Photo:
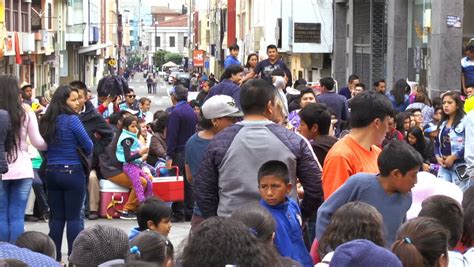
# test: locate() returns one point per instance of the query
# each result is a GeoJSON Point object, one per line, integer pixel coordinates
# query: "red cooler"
{"type": "Point", "coordinates": [112, 199]}
{"type": "Point", "coordinates": [169, 188]}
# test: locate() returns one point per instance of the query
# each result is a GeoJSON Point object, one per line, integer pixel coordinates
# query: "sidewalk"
{"type": "Point", "coordinates": [179, 231]}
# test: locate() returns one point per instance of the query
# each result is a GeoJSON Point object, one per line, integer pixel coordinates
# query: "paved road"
{"type": "Point", "coordinates": [179, 231]}
{"type": "Point", "coordinates": [160, 100]}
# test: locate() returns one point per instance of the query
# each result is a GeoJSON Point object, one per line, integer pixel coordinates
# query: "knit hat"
{"type": "Point", "coordinates": [362, 253]}
{"type": "Point", "coordinates": [99, 244]}
{"type": "Point", "coordinates": [220, 106]}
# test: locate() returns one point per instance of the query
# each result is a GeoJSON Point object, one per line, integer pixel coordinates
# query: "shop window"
{"type": "Point", "coordinates": [50, 16]}
{"type": "Point", "coordinates": [24, 17]}
{"type": "Point", "coordinates": [172, 41]}
{"type": "Point", "coordinates": [8, 15]}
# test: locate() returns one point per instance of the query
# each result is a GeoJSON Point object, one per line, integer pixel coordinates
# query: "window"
{"type": "Point", "coordinates": [16, 26]}
{"type": "Point", "coordinates": [24, 17]}
{"type": "Point", "coordinates": [8, 15]}
{"type": "Point", "coordinates": [185, 41]}
{"type": "Point", "coordinates": [50, 16]}
{"type": "Point", "coordinates": [157, 41]}
{"type": "Point", "coordinates": [172, 41]}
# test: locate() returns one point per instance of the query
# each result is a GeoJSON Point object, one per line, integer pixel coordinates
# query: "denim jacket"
{"type": "Point", "coordinates": [456, 137]}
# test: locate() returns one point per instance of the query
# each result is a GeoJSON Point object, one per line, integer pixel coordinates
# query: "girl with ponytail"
{"type": "Point", "coordinates": [422, 241]}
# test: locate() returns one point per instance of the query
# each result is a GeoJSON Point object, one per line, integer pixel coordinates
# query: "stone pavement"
{"type": "Point", "coordinates": [179, 231]}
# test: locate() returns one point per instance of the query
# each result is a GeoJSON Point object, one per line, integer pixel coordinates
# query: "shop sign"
{"type": "Point", "coordinates": [198, 58]}
{"type": "Point", "coordinates": [307, 33]}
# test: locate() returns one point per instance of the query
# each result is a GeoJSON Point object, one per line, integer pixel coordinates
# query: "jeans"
{"type": "Point", "coordinates": [40, 194]}
{"type": "Point", "coordinates": [451, 176]}
{"type": "Point", "coordinates": [66, 192]}
{"type": "Point", "coordinates": [181, 209]}
{"type": "Point", "coordinates": [13, 197]}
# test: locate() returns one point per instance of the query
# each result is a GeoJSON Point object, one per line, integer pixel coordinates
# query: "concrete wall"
{"type": "Point", "coordinates": [397, 53]}
{"type": "Point", "coordinates": [446, 47]}
{"type": "Point", "coordinates": [340, 51]}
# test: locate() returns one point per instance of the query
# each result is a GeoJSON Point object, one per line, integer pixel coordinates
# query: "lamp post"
{"type": "Point", "coordinates": [156, 44]}
{"type": "Point", "coordinates": [156, 25]}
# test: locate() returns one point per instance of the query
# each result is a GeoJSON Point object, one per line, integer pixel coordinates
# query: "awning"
{"type": "Point", "coordinates": [92, 48]}
{"type": "Point", "coordinates": [170, 64]}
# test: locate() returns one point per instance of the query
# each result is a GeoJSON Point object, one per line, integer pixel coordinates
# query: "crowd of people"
{"type": "Point", "coordinates": [275, 172]}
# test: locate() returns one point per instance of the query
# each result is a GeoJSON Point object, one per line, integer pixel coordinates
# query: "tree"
{"type": "Point", "coordinates": [175, 57]}
{"type": "Point", "coordinates": [159, 58]}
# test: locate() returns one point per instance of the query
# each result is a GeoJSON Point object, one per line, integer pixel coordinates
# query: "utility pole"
{"type": "Point", "coordinates": [119, 37]}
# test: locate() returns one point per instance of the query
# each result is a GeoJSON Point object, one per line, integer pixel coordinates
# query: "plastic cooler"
{"type": "Point", "coordinates": [169, 188]}
{"type": "Point", "coordinates": [112, 199]}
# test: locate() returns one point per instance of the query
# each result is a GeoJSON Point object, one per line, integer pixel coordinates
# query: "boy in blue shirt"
{"type": "Point", "coordinates": [152, 215]}
{"type": "Point", "coordinates": [389, 192]}
{"type": "Point", "coordinates": [274, 184]}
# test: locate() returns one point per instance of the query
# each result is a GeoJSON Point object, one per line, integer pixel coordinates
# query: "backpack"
{"type": "Point", "coordinates": [113, 86]}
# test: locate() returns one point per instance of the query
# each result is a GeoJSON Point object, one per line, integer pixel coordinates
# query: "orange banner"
{"type": "Point", "coordinates": [198, 58]}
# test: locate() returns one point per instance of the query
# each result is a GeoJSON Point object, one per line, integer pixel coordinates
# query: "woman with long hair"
{"type": "Point", "coordinates": [66, 182]}
{"type": "Point", "coordinates": [423, 145]}
{"type": "Point", "coordinates": [399, 95]}
{"type": "Point", "coordinates": [252, 61]}
{"type": "Point", "coordinates": [16, 183]}
{"type": "Point", "coordinates": [353, 220]}
{"type": "Point", "coordinates": [422, 241]}
{"type": "Point", "coordinates": [449, 146]}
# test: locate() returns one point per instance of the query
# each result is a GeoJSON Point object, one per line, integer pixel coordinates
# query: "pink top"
{"type": "Point", "coordinates": [22, 167]}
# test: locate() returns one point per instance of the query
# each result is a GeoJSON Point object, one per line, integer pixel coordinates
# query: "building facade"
{"type": "Point", "coordinates": [418, 40]}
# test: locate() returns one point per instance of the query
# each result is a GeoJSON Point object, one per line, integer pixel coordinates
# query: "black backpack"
{"type": "Point", "coordinates": [113, 86]}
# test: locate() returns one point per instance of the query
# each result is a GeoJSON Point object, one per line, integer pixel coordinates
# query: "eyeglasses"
{"type": "Point", "coordinates": [131, 96]}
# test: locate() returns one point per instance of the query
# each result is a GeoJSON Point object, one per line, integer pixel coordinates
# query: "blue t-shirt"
{"type": "Point", "coordinates": [265, 69]}
{"type": "Point", "coordinates": [194, 152]}
{"type": "Point", "coordinates": [445, 142]}
{"type": "Point", "coordinates": [467, 67]}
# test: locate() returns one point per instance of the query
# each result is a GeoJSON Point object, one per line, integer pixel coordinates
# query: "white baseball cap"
{"type": "Point", "coordinates": [220, 106]}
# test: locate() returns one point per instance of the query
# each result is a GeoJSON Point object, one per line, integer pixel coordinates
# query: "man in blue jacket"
{"type": "Point", "coordinates": [229, 84]}
{"type": "Point", "coordinates": [232, 58]}
{"type": "Point", "coordinates": [226, 178]}
{"type": "Point", "coordinates": [181, 126]}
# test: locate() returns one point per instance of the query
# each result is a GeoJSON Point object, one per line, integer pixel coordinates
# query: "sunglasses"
{"type": "Point", "coordinates": [131, 96]}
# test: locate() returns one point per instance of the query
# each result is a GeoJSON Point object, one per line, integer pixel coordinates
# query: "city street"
{"type": "Point", "coordinates": [160, 100]}
{"type": "Point", "coordinates": [179, 231]}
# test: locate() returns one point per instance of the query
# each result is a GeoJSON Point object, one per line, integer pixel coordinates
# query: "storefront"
{"type": "Point", "coordinates": [418, 40]}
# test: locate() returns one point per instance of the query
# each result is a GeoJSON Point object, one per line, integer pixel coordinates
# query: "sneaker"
{"type": "Point", "coordinates": [31, 218]}
{"type": "Point", "coordinates": [128, 215]}
{"type": "Point", "coordinates": [93, 215]}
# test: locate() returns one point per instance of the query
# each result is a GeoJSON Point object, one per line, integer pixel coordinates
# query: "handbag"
{"type": "Point", "coordinates": [86, 161]}
{"type": "Point", "coordinates": [461, 171]}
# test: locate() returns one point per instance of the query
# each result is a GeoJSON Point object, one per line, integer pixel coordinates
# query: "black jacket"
{"type": "Point", "coordinates": [5, 138]}
{"type": "Point", "coordinates": [98, 130]}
